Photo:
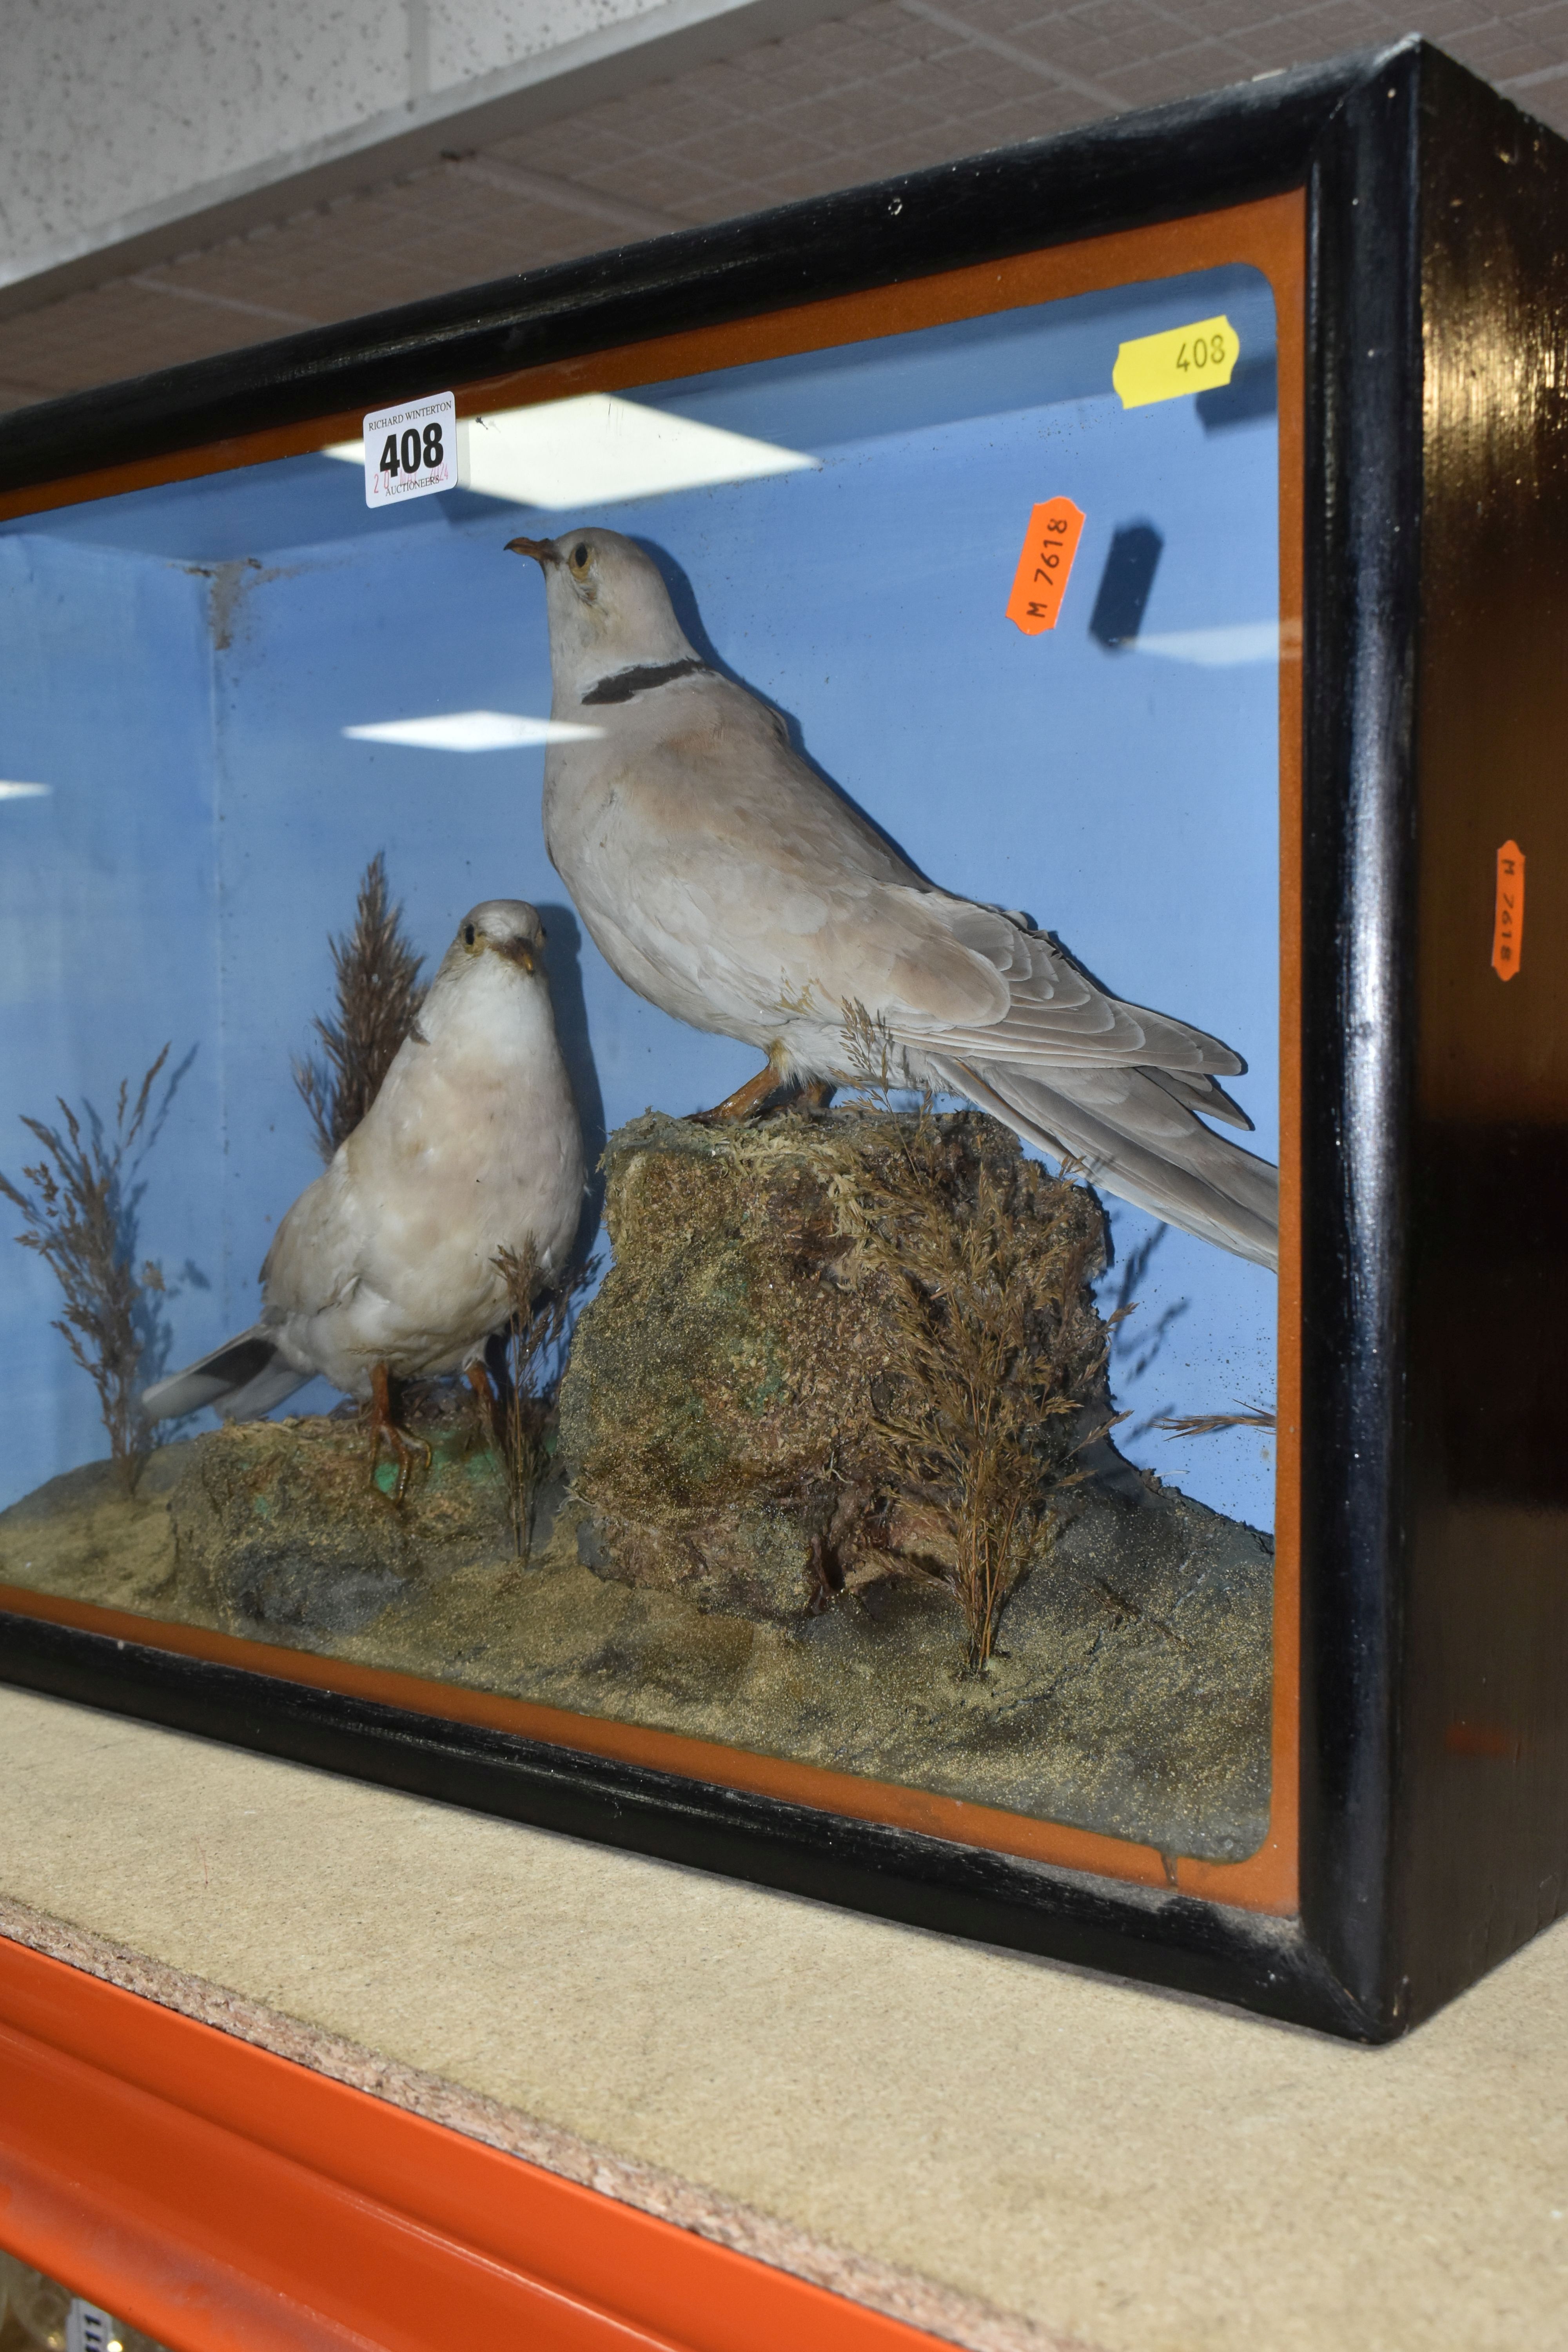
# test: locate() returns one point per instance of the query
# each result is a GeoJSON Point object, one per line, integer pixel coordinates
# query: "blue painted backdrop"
{"type": "Point", "coordinates": [179, 665]}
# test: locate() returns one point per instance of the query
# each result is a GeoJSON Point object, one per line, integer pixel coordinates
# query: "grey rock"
{"type": "Point", "coordinates": [276, 1587]}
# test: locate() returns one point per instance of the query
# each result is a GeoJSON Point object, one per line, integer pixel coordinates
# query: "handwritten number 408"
{"type": "Point", "coordinates": [406, 455]}
{"type": "Point", "coordinates": [1207, 350]}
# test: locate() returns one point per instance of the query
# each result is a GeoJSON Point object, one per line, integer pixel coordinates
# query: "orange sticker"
{"type": "Point", "coordinates": [1507, 929]}
{"type": "Point", "coordinates": [1045, 567]}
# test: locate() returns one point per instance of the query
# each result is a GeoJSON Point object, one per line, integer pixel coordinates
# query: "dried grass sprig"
{"type": "Point", "coordinates": [78, 1221]}
{"type": "Point", "coordinates": [541, 1313]}
{"type": "Point", "coordinates": [876, 1063]}
{"type": "Point", "coordinates": [1205, 1425]}
{"type": "Point", "coordinates": [379, 997]}
{"type": "Point", "coordinates": [999, 1346]}
{"type": "Point", "coordinates": [999, 1351]}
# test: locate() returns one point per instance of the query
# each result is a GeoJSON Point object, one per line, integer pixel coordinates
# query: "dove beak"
{"type": "Point", "coordinates": [543, 551]}
{"type": "Point", "coordinates": [518, 951]}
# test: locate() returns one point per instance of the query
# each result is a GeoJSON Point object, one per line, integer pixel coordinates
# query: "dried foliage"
{"type": "Point", "coordinates": [379, 997]}
{"type": "Point", "coordinates": [78, 1222]}
{"type": "Point", "coordinates": [540, 1315]}
{"type": "Point", "coordinates": [1000, 1347]}
{"type": "Point", "coordinates": [834, 1349]}
{"type": "Point", "coordinates": [999, 1350]}
{"type": "Point", "coordinates": [1205, 1425]}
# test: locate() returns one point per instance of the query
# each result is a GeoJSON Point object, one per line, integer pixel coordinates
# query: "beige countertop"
{"type": "Point", "coordinates": [1007, 2151]}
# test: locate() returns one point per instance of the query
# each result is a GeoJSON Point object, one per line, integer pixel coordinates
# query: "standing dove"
{"type": "Point", "coordinates": [723, 880]}
{"type": "Point", "coordinates": [386, 1266]}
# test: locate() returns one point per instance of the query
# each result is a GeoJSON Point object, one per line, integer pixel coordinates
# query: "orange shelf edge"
{"type": "Point", "coordinates": [225, 2199]}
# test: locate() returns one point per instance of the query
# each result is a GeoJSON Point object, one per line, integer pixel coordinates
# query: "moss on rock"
{"type": "Point", "coordinates": [280, 1524]}
{"type": "Point", "coordinates": [736, 1391]}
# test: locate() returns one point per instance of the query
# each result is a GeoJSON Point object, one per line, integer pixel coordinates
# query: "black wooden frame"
{"type": "Point", "coordinates": [1368, 138]}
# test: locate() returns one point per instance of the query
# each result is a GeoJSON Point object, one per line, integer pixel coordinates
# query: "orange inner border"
{"type": "Point", "coordinates": [1271, 235]}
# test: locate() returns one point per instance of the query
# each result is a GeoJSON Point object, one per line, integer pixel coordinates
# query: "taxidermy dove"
{"type": "Point", "coordinates": [385, 1267]}
{"type": "Point", "coordinates": [727, 882]}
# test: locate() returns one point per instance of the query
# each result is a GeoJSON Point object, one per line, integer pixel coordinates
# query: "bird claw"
{"type": "Point", "coordinates": [767, 1091]}
{"type": "Point", "coordinates": [404, 1445]}
{"type": "Point", "coordinates": [745, 1100]}
{"type": "Point", "coordinates": [385, 1425]}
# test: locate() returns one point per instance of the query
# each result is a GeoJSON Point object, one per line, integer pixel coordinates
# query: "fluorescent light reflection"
{"type": "Point", "coordinates": [24, 791]}
{"type": "Point", "coordinates": [594, 450]}
{"type": "Point", "coordinates": [1226, 648]}
{"type": "Point", "coordinates": [472, 730]}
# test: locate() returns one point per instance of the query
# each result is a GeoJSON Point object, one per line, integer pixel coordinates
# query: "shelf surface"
{"type": "Point", "coordinates": [995, 2151]}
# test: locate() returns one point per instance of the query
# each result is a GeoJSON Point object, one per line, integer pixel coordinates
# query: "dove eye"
{"type": "Point", "coordinates": [469, 933]}
{"type": "Point", "coordinates": [580, 555]}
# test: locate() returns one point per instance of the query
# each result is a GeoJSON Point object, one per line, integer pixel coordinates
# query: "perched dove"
{"type": "Point", "coordinates": [727, 882]}
{"type": "Point", "coordinates": [386, 1266]}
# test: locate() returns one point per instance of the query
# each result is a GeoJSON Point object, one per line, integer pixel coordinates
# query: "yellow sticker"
{"type": "Point", "coordinates": [1166, 367]}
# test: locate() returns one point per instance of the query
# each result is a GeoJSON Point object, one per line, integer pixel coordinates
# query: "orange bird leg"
{"type": "Point", "coordinates": [384, 1424]}
{"type": "Point", "coordinates": [744, 1101]}
{"type": "Point", "coordinates": [479, 1379]}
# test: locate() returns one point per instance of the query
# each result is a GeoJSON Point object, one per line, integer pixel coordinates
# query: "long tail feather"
{"type": "Point", "coordinates": [1135, 1138]}
{"type": "Point", "coordinates": [244, 1377]}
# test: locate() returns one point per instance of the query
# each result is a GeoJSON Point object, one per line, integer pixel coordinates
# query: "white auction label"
{"type": "Point", "coordinates": [412, 451]}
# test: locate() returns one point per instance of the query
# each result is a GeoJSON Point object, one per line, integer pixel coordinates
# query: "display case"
{"type": "Point", "coordinates": [838, 904]}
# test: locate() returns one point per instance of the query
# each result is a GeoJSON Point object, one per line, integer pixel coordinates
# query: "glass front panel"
{"type": "Point", "coordinates": [914, 739]}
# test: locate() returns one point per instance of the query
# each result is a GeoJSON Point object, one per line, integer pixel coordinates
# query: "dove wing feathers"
{"type": "Point", "coordinates": [1127, 1128]}
{"type": "Point", "coordinates": [314, 1261]}
{"type": "Point", "coordinates": [707, 855]}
